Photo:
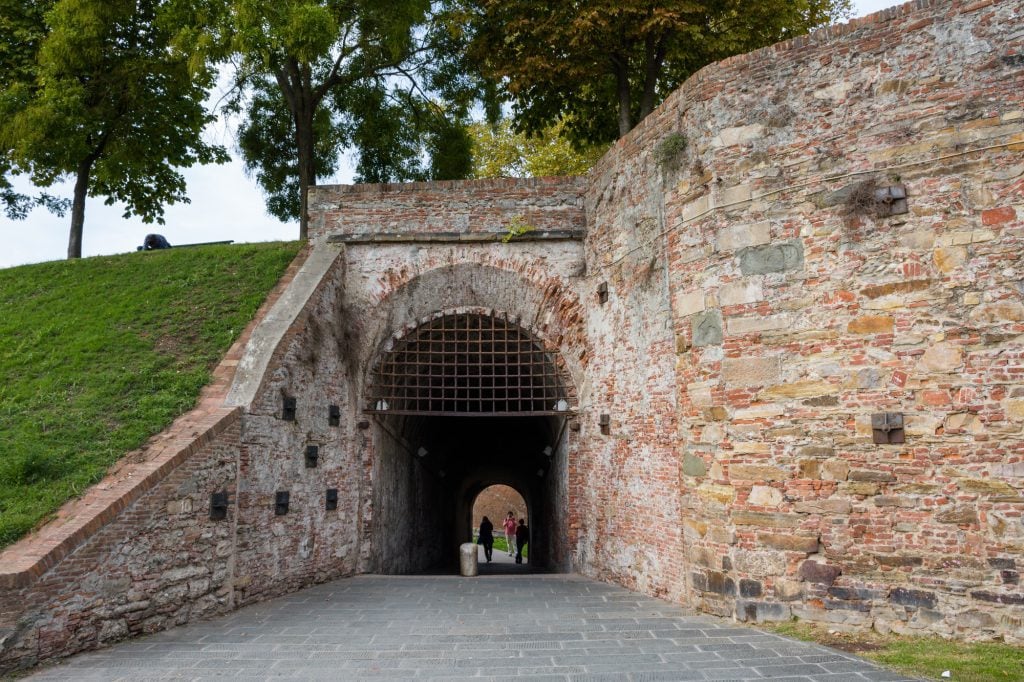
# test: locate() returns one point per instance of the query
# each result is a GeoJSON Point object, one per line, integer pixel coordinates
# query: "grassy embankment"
{"type": "Point", "coordinates": [98, 355]}
{"type": "Point", "coordinates": [926, 657]}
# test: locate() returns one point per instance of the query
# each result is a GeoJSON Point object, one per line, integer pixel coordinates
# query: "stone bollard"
{"type": "Point", "coordinates": [467, 559]}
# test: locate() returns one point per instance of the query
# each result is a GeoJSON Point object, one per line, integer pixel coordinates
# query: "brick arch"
{"type": "Point", "coordinates": [544, 304]}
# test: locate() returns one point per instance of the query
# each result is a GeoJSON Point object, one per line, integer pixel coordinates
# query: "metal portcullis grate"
{"type": "Point", "coordinates": [469, 365]}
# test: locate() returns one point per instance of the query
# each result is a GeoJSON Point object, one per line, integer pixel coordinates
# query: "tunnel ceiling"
{"type": "Point", "coordinates": [469, 365]}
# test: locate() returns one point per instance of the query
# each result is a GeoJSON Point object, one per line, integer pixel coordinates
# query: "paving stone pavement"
{"type": "Point", "coordinates": [536, 627]}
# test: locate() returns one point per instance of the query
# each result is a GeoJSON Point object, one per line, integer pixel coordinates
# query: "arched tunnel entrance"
{"type": "Point", "coordinates": [464, 401]}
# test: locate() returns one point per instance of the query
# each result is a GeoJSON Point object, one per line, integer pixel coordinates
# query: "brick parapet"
{"type": "Point", "coordinates": [478, 206]}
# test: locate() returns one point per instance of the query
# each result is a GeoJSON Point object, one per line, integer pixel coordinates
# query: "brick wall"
{"type": "Point", "coordinates": [796, 313]}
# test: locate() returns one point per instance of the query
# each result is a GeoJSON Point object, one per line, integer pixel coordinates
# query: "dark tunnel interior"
{"type": "Point", "coordinates": [431, 469]}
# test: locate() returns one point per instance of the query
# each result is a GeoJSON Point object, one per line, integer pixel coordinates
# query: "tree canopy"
{"type": "Point", "coordinates": [605, 64]}
{"type": "Point", "coordinates": [501, 152]}
{"type": "Point", "coordinates": [318, 76]}
{"type": "Point", "coordinates": [100, 96]}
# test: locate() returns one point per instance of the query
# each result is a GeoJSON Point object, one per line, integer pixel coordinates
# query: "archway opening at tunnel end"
{"type": "Point", "coordinates": [497, 504]}
{"type": "Point", "coordinates": [461, 402]}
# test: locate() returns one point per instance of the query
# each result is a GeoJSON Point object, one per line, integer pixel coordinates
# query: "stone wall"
{"type": "Point", "coordinates": [799, 310]}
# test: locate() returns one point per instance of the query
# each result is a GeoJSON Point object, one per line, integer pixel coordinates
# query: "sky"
{"type": "Point", "coordinates": [225, 204]}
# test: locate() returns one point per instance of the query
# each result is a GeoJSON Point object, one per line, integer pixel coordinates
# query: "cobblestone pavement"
{"type": "Point", "coordinates": [537, 627]}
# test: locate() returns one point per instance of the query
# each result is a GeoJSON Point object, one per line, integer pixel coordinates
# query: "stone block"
{"type": "Point", "coordinates": [716, 493]}
{"type": "Point", "coordinates": [1002, 563]}
{"type": "Point", "coordinates": [777, 257]}
{"type": "Point", "coordinates": [765, 519]}
{"type": "Point", "coordinates": [942, 358]}
{"type": "Point", "coordinates": [998, 597]}
{"type": "Point", "coordinates": [741, 292]}
{"type": "Point", "coordinates": [756, 472]}
{"type": "Point", "coordinates": [809, 468]}
{"type": "Point", "coordinates": [871, 324]}
{"type": "Point", "coordinates": [995, 313]}
{"type": "Point", "coordinates": [741, 236]}
{"type": "Point", "coordinates": [789, 590]}
{"type": "Point", "coordinates": [764, 496]}
{"type": "Point", "coordinates": [789, 543]}
{"type": "Point", "coordinates": [693, 528]}
{"type": "Point", "coordinates": [914, 598]}
{"type": "Point", "coordinates": [975, 619]}
{"type": "Point", "coordinates": [686, 303]}
{"type": "Point", "coordinates": [986, 487]}
{"type": "Point", "coordinates": [760, 612]}
{"type": "Point", "coordinates": [751, 371]}
{"type": "Point", "coordinates": [707, 328]}
{"type": "Point", "coordinates": [860, 489]}
{"type": "Point", "coordinates": [898, 560]}
{"type": "Point", "coordinates": [828, 506]}
{"type": "Point", "coordinates": [819, 572]}
{"type": "Point", "coordinates": [1014, 409]}
{"type": "Point", "coordinates": [835, 470]}
{"type": "Point", "coordinates": [750, 588]}
{"type": "Point", "coordinates": [693, 465]}
{"type": "Point", "coordinates": [720, 583]}
{"type": "Point", "coordinates": [760, 562]}
{"type": "Point", "coordinates": [871, 475]}
{"type": "Point", "coordinates": [799, 389]}
{"type": "Point", "coordinates": [961, 515]}
{"type": "Point", "coordinates": [949, 258]}
{"type": "Point", "coordinates": [727, 137]}
{"type": "Point", "coordinates": [757, 324]}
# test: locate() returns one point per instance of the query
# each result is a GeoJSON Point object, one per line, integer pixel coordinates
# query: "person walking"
{"type": "Point", "coordinates": [486, 537]}
{"type": "Point", "coordinates": [510, 533]}
{"type": "Point", "coordinates": [522, 539]}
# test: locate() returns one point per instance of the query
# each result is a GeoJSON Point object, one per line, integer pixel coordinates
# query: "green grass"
{"type": "Point", "coordinates": [925, 657]}
{"type": "Point", "coordinates": [99, 354]}
{"type": "Point", "coordinates": [501, 546]}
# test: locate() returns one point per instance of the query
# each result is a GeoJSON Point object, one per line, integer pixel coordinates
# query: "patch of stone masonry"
{"type": "Point", "coordinates": [795, 318]}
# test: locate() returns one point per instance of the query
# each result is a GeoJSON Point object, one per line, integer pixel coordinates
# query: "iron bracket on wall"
{"type": "Point", "coordinates": [887, 428]}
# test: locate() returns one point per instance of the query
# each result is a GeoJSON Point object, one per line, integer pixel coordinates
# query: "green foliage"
{"type": "Point", "coordinates": [499, 151]}
{"type": "Point", "coordinates": [93, 90]}
{"type": "Point", "coordinates": [670, 149]}
{"type": "Point", "coordinates": [102, 353]}
{"type": "Point", "coordinates": [605, 64]}
{"type": "Point", "coordinates": [516, 228]}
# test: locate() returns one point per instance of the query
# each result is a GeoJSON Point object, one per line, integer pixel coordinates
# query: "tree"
{"type": "Point", "coordinates": [605, 64]}
{"type": "Point", "coordinates": [105, 99]}
{"type": "Point", "coordinates": [501, 152]}
{"type": "Point", "coordinates": [318, 76]}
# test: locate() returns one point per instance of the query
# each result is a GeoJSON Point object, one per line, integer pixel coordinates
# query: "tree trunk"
{"type": "Point", "coordinates": [654, 58]}
{"type": "Point", "coordinates": [622, 90]}
{"type": "Point", "coordinates": [78, 209]}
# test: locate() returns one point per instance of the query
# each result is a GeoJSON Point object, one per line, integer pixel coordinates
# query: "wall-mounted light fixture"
{"type": "Point", "coordinates": [602, 292]}
{"type": "Point", "coordinates": [547, 451]}
{"type": "Point", "coordinates": [281, 502]}
{"type": "Point", "coordinates": [312, 455]}
{"type": "Point", "coordinates": [332, 499]}
{"type": "Point", "coordinates": [562, 405]}
{"type": "Point", "coordinates": [333, 415]}
{"type": "Point", "coordinates": [289, 408]}
{"type": "Point", "coordinates": [381, 406]}
{"type": "Point", "coordinates": [605, 422]}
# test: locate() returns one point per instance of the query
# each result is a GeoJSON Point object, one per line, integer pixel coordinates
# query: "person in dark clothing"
{"type": "Point", "coordinates": [522, 539]}
{"type": "Point", "coordinates": [486, 537]}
